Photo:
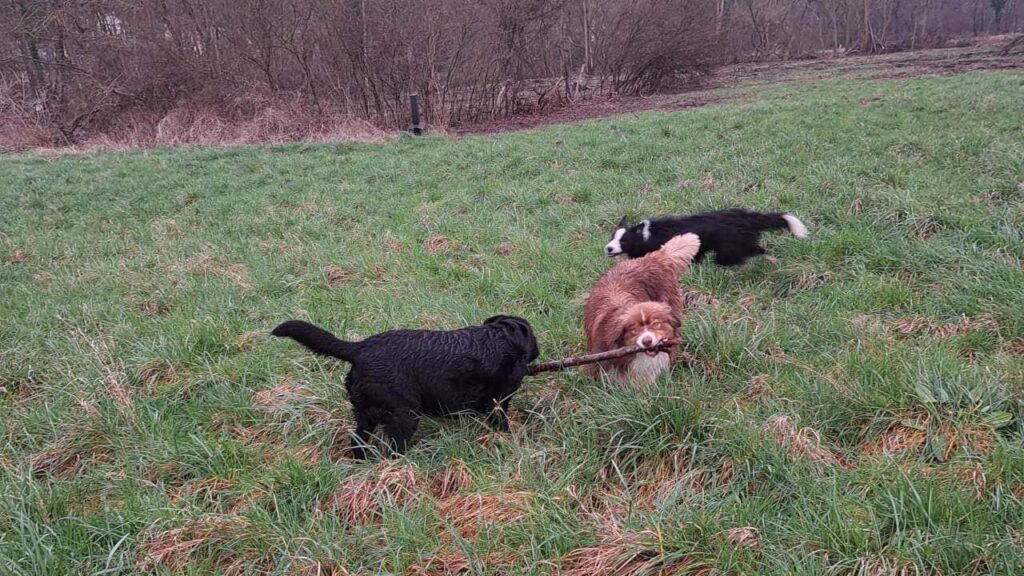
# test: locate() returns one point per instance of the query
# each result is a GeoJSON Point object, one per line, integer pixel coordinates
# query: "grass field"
{"type": "Point", "coordinates": [854, 408]}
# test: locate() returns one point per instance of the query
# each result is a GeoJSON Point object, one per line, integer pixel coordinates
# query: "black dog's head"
{"type": "Point", "coordinates": [519, 332]}
{"type": "Point", "coordinates": [626, 238]}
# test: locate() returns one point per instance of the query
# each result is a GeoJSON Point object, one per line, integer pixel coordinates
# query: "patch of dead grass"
{"type": "Point", "coordinates": [468, 514]}
{"type": "Point", "coordinates": [174, 549]}
{"type": "Point", "coordinates": [921, 325]}
{"type": "Point", "coordinates": [621, 553]}
{"type": "Point", "coordinates": [453, 478]}
{"type": "Point", "coordinates": [19, 256]}
{"type": "Point", "coordinates": [743, 537]}
{"type": "Point", "coordinates": [442, 244]}
{"type": "Point", "coordinates": [909, 434]}
{"type": "Point", "coordinates": [800, 443]}
{"type": "Point", "coordinates": [337, 276]}
{"type": "Point", "coordinates": [160, 373]}
{"type": "Point", "coordinates": [206, 265]}
{"type": "Point", "coordinates": [154, 307]}
{"type": "Point", "coordinates": [698, 299]}
{"type": "Point", "coordinates": [361, 499]}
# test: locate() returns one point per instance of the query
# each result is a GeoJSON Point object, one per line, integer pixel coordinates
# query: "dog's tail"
{"type": "Point", "coordinates": [317, 339]}
{"type": "Point", "coordinates": [681, 250]}
{"type": "Point", "coordinates": [777, 221]}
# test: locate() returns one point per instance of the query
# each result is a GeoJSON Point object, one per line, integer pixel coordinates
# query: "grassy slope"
{"type": "Point", "coordinates": [145, 413]}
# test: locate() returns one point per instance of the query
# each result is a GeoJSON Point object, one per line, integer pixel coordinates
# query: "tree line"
{"type": "Point", "coordinates": [72, 67]}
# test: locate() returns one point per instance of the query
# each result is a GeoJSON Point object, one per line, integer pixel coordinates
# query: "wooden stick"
{"type": "Point", "coordinates": [599, 356]}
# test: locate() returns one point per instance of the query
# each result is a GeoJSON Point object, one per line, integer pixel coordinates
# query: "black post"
{"type": "Point", "coordinates": [417, 126]}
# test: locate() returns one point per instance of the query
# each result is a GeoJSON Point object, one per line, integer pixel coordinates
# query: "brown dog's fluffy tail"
{"type": "Point", "coordinates": [681, 250]}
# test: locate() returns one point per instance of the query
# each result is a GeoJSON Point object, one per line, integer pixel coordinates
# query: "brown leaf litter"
{"type": "Point", "coordinates": [18, 256]}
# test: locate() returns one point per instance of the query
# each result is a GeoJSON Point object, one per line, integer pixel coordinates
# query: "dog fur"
{"type": "Point", "coordinates": [638, 301]}
{"type": "Point", "coordinates": [400, 375]}
{"type": "Point", "coordinates": [733, 235]}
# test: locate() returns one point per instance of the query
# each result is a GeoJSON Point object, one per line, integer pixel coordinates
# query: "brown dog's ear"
{"type": "Point", "coordinates": [620, 340]}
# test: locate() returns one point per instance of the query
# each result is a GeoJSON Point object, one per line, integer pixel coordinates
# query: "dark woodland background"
{"type": "Point", "coordinates": [74, 68]}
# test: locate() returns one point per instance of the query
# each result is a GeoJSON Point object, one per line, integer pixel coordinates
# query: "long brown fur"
{"type": "Point", "coordinates": [641, 291]}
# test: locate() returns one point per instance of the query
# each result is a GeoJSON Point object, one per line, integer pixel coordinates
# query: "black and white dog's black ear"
{"type": "Point", "coordinates": [624, 223]}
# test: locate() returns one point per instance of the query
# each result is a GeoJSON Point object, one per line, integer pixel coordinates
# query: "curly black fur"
{"type": "Point", "coordinates": [733, 235]}
{"type": "Point", "coordinates": [399, 375]}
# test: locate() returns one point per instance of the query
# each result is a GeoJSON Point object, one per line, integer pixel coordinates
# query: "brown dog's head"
{"type": "Point", "coordinates": [647, 324]}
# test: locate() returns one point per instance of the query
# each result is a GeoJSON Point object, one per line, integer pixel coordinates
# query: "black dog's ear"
{"type": "Point", "coordinates": [523, 333]}
{"type": "Point", "coordinates": [624, 223]}
{"type": "Point", "coordinates": [498, 318]}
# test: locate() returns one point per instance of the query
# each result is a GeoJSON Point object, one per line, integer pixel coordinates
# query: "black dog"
{"type": "Point", "coordinates": [732, 234]}
{"type": "Point", "coordinates": [399, 375]}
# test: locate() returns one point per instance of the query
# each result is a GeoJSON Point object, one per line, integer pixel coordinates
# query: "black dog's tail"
{"type": "Point", "coordinates": [317, 339]}
{"type": "Point", "coordinates": [777, 221]}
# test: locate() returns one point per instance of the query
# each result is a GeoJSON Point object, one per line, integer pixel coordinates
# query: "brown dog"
{"type": "Point", "coordinates": [638, 301]}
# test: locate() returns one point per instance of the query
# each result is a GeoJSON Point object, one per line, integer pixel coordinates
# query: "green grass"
{"type": "Point", "coordinates": [857, 405]}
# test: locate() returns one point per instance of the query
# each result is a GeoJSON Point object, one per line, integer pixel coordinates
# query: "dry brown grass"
{"type": "Point", "coordinates": [743, 537]}
{"type": "Point", "coordinates": [470, 513]}
{"type": "Point", "coordinates": [174, 549]}
{"type": "Point", "coordinates": [207, 489]}
{"type": "Point", "coordinates": [337, 276]}
{"type": "Point", "coordinates": [245, 120]}
{"type": "Point", "coordinates": [882, 566]}
{"type": "Point", "coordinates": [698, 299]}
{"type": "Point", "coordinates": [18, 256]}
{"type": "Point", "coordinates": [908, 434]}
{"type": "Point", "coordinates": [451, 480]}
{"type": "Point", "coordinates": [1014, 347]}
{"type": "Point", "coordinates": [154, 307]}
{"type": "Point", "coordinates": [362, 498]}
{"type": "Point", "coordinates": [442, 244]}
{"type": "Point", "coordinates": [207, 265]}
{"type": "Point", "coordinates": [159, 373]}
{"type": "Point", "coordinates": [63, 459]}
{"type": "Point", "coordinates": [118, 390]}
{"type": "Point", "coordinates": [800, 443]}
{"type": "Point", "coordinates": [621, 553]}
{"type": "Point", "coordinates": [449, 563]}
{"type": "Point", "coordinates": [900, 437]}
{"type": "Point", "coordinates": [921, 325]}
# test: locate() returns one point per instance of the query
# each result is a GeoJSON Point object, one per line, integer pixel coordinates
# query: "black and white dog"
{"type": "Point", "coordinates": [400, 375]}
{"type": "Point", "coordinates": [732, 234]}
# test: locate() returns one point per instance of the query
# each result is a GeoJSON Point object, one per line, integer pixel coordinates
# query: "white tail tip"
{"type": "Point", "coordinates": [685, 246]}
{"type": "Point", "coordinates": [796, 227]}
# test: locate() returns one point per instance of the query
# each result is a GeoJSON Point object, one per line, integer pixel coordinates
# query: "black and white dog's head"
{"type": "Point", "coordinates": [626, 239]}
{"type": "Point", "coordinates": [519, 332]}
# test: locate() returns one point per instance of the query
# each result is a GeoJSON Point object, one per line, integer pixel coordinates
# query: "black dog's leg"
{"type": "Point", "coordinates": [499, 415]}
{"type": "Point", "coordinates": [729, 258]}
{"type": "Point", "coordinates": [400, 429]}
{"type": "Point", "coordinates": [364, 430]}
